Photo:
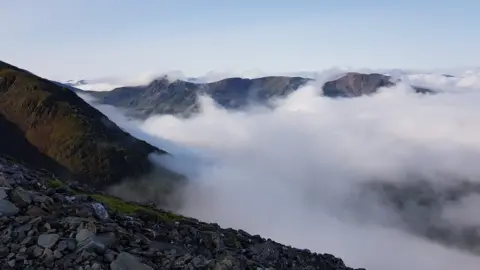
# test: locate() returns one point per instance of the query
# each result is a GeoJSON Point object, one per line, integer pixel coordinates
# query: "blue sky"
{"type": "Point", "coordinates": [63, 39]}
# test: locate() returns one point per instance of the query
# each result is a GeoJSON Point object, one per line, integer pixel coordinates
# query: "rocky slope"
{"type": "Point", "coordinates": [47, 224]}
{"type": "Point", "coordinates": [180, 97]}
{"type": "Point", "coordinates": [51, 127]}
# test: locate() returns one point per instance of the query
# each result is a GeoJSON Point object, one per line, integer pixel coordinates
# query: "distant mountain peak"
{"type": "Point", "coordinates": [354, 84]}
{"type": "Point", "coordinates": [180, 97]}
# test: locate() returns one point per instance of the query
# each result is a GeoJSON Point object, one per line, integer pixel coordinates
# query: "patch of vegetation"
{"type": "Point", "coordinates": [117, 204]}
{"type": "Point", "coordinates": [55, 183]}
{"type": "Point", "coordinates": [125, 207]}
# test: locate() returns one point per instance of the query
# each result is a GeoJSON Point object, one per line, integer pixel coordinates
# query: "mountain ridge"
{"type": "Point", "coordinates": [178, 97]}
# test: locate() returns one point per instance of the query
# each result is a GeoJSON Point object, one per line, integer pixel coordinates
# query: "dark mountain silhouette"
{"type": "Point", "coordinates": [49, 126]}
{"type": "Point", "coordinates": [179, 97]}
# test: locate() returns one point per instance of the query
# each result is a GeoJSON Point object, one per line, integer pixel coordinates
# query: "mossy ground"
{"type": "Point", "coordinates": [119, 205]}
{"type": "Point", "coordinates": [124, 207]}
{"type": "Point", "coordinates": [55, 183]}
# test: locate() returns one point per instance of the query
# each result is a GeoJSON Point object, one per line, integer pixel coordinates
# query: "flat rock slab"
{"type": "Point", "coordinates": [48, 240]}
{"type": "Point", "coordinates": [7, 208]}
{"type": "Point", "coordinates": [3, 193]}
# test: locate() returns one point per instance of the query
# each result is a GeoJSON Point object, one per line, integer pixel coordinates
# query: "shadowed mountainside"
{"type": "Point", "coordinates": [179, 97]}
{"type": "Point", "coordinates": [49, 126]}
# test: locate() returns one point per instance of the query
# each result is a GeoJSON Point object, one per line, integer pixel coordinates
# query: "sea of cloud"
{"type": "Point", "coordinates": [296, 173]}
{"type": "Point", "coordinates": [110, 83]}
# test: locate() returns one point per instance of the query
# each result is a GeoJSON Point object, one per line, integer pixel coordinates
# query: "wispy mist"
{"type": "Point", "coordinates": [300, 174]}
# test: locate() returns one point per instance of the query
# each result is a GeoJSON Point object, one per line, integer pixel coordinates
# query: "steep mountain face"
{"type": "Point", "coordinates": [46, 124]}
{"type": "Point", "coordinates": [180, 97]}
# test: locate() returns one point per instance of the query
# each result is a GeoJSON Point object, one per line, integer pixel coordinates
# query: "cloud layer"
{"type": "Point", "coordinates": [297, 174]}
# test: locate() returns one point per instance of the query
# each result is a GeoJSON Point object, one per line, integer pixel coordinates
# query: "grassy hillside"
{"type": "Point", "coordinates": [63, 128]}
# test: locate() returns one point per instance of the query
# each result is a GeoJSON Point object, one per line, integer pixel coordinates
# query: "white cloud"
{"type": "Point", "coordinates": [465, 212]}
{"type": "Point", "coordinates": [294, 174]}
{"type": "Point", "coordinates": [100, 87]}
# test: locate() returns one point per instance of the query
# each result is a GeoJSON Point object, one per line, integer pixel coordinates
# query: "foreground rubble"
{"type": "Point", "coordinates": [46, 224]}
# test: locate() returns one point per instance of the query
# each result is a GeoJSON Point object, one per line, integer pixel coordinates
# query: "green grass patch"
{"type": "Point", "coordinates": [119, 205]}
{"type": "Point", "coordinates": [125, 207]}
{"type": "Point", "coordinates": [55, 183]}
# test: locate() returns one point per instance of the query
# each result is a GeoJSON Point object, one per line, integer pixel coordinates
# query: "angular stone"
{"type": "Point", "coordinates": [22, 219]}
{"type": "Point", "coordinates": [4, 251]}
{"type": "Point", "coordinates": [91, 244]}
{"type": "Point", "coordinates": [8, 209]}
{"type": "Point", "coordinates": [200, 261]}
{"type": "Point", "coordinates": [267, 251]}
{"type": "Point", "coordinates": [230, 262]}
{"type": "Point", "coordinates": [84, 234]}
{"type": "Point", "coordinates": [48, 255]}
{"type": "Point", "coordinates": [15, 247]}
{"type": "Point", "coordinates": [21, 197]}
{"type": "Point", "coordinates": [24, 228]}
{"type": "Point", "coordinates": [126, 261]}
{"type": "Point", "coordinates": [74, 222]}
{"type": "Point", "coordinates": [38, 198]}
{"type": "Point", "coordinates": [21, 256]}
{"type": "Point", "coordinates": [36, 212]}
{"type": "Point", "coordinates": [4, 182]}
{"type": "Point", "coordinates": [88, 241]}
{"type": "Point", "coordinates": [48, 240]}
{"type": "Point", "coordinates": [11, 263]}
{"type": "Point", "coordinates": [110, 256]}
{"type": "Point", "coordinates": [3, 193]}
{"type": "Point", "coordinates": [100, 211]}
{"type": "Point", "coordinates": [37, 251]}
{"type": "Point", "coordinates": [27, 241]}
{"type": "Point", "coordinates": [107, 239]}
{"type": "Point", "coordinates": [57, 254]}
{"type": "Point", "coordinates": [62, 245]}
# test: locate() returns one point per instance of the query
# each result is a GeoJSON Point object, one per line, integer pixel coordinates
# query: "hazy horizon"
{"type": "Point", "coordinates": [90, 39]}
